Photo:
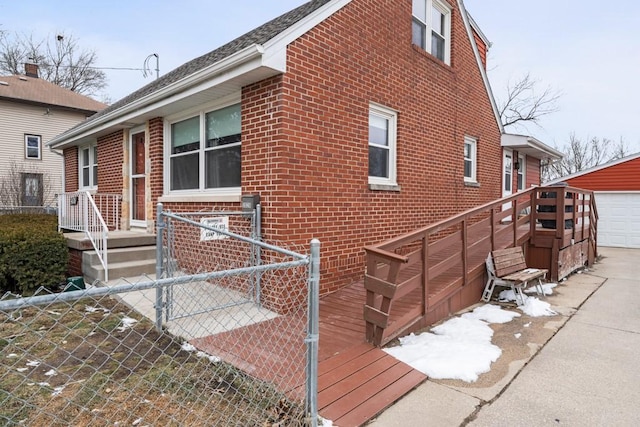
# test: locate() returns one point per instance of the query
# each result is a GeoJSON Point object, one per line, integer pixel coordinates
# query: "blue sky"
{"type": "Point", "coordinates": [587, 50]}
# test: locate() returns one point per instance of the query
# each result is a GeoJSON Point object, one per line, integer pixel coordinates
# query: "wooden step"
{"type": "Point", "coordinates": [358, 384]}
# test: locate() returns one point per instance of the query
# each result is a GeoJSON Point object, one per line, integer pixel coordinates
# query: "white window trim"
{"type": "Point", "coordinates": [26, 147]}
{"type": "Point", "coordinates": [474, 159]}
{"type": "Point", "coordinates": [201, 112]}
{"type": "Point", "coordinates": [445, 9]}
{"type": "Point", "coordinates": [392, 117]}
{"type": "Point", "coordinates": [92, 164]}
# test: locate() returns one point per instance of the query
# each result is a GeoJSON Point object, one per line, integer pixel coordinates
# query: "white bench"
{"type": "Point", "coordinates": [508, 268]}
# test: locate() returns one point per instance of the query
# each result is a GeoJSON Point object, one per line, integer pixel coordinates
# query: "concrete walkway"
{"type": "Point", "coordinates": [579, 368]}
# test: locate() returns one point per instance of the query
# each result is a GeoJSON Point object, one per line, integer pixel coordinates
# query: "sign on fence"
{"type": "Point", "coordinates": [219, 223]}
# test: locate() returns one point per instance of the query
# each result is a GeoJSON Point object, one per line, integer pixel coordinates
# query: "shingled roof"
{"type": "Point", "coordinates": [39, 91]}
{"type": "Point", "coordinates": [258, 35]}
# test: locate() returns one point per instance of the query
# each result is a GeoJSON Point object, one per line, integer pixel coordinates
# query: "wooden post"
{"type": "Point", "coordinates": [425, 273]}
{"type": "Point", "coordinates": [493, 229]}
{"type": "Point", "coordinates": [464, 252]}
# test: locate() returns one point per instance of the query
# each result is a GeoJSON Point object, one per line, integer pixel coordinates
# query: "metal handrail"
{"type": "Point", "coordinates": [78, 211]}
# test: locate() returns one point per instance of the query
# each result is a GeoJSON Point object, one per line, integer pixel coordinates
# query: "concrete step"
{"type": "Point", "coordinates": [122, 262]}
{"type": "Point", "coordinates": [138, 253]}
{"type": "Point", "coordinates": [116, 239]}
{"type": "Point", "coordinates": [119, 269]}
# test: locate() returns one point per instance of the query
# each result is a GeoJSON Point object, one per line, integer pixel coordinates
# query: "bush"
{"type": "Point", "coordinates": [32, 252]}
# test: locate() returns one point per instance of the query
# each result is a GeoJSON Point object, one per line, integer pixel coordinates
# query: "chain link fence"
{"type": "Point", "coordinates": [112, 355]}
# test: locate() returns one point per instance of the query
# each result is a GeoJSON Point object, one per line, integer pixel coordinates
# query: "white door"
{"type": "Point", "coordinates": [507, 178]}
{"type": "Point", "coordinates": [619, 219]}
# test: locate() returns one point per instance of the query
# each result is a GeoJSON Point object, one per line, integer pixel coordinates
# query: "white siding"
{"type": "Point", "coordinates": [18, 119]}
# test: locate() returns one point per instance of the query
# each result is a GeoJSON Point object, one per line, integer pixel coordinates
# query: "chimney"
{"type": "Point", "coordinates": [31, 70]}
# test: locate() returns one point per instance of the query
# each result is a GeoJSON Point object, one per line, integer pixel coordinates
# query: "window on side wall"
{"type": "Point", "coordinates": [32, 147]}
{"type": "Point", "coordinates": [470, 159]}
{"type": "Point", "coordinates": [204, 151]}
{"type": "Point", "coordinates": [88, 166]}
{"type": "Point", "coordinates": [431, 28]}
{"type": "Point", "coordinates": [522, 167]}
{"type": "Point", "coordinates": [382, 145]}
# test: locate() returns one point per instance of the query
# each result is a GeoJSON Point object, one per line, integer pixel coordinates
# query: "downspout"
{"type": "Point", "coordinates": [64, 172]}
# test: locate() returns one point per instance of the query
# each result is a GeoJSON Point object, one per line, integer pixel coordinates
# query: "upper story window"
{"type": "Point", "coordinates": [32, 147]}
{"type": "Point", "coordinates": [431, 27]}
{"type": "Point", "coordinates": [196, 166]}
{"type": "Point", "coordinates": [382, 145]}
{"type": "Point", "coordinates": [470, 159]}
{"type": "Point", "coordinates": [88, 166]}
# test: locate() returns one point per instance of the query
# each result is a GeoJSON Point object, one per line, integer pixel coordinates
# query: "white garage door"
{"type": "Point", "coordinates": [619, 223]}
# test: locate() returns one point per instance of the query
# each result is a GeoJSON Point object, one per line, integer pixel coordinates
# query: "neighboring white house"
{"type": "Point", "coordinates": [33, 111]}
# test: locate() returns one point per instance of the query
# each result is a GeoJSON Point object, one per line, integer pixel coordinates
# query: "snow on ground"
{"type": "Point", "coordinates": [532, 305]}
{"type": "Point", "coordinates": [461, 347]}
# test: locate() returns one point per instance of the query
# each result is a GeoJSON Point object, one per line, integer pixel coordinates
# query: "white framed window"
{"type": "Point", "coordinates": [470, 159]}
{"type": "Point", "coordinates": [203, 151]}
{"type": "Point", "coordinates": [382, 145]}
{"type": "Point", "coordinates": [522, 170]}
{"type": "Point", "coordinates": [88, 166]}
{"type": "Point", "coordinates": [431, 28]}
{"type": "Point", "coordinates": [32, 147]}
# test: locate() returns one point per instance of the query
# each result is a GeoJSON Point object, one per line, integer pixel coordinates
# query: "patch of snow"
{"type": "Point", "coordinates": [54, 313]}
{"type": "Point", "coordinates": [51, 373]}
{"type": "Point", "coordinates": [507, 296]}
{"type": "Point", "coordinates": [188, 347]}
{"type": "Point", "coordinates": [90, 309]}
{"type": "Point", "coordinates": [11, 356]}
{"type": "Point", "coordinates": [526, 325]}
{"type": "Point", "coordinates": [326, 423]}
{"type": "Point", "coordinates": [136, 422]}
{"type": "Point", "coordinates": [33, 363]}
{"type": "Point", "coordinates": [21, 369]}
{"type": "Point", "coordinates": [57, 390]}
{"type": "Point", "coordinates": [127, 323]}
{"type": "Point", "coordinates": [459, 348]}
{"type": "Point", "coordinates": [491, 314]}
{"type": "Point", "coordinates": [547, 289]}
{"type": "Point", "coordinates": [518, 335]}
{"type": "Point", "coordinates": [536, 308]}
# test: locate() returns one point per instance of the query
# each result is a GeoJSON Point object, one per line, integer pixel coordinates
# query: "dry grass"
{"type": "Point", "coordinates": [107, 374]}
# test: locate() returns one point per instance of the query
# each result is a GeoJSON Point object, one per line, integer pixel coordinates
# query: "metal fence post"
{"type": "Point", "coordinates": [258, 253]}
{"type": "Point", "coordinates": [159, 237]}
{"type": "Point", "coordinates": [313, 332]}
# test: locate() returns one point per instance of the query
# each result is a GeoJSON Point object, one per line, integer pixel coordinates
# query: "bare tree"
{"type": "Point", "coordinates": [61, 61]}
{"type": "Point", "coordinates": [23, 185]}
{"type": "Point", "coordinates": [524, 103]}
{"type": "Point", "coordinates": [581, 154]}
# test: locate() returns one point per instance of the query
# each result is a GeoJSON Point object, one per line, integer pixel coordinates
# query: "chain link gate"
{"type": "Point", "coordinates": [185, 301]}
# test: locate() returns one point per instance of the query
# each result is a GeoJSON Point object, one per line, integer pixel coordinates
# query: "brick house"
{"type": "Point", "coordinates": [32, 111]}
{"type": "Point", "coordinates": [354, 120]}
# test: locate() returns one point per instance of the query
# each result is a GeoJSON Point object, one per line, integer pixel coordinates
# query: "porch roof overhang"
{"type": "Point", "coordinates": [530, 146]}
{"type": "Point", "coordinates": [226, 77]}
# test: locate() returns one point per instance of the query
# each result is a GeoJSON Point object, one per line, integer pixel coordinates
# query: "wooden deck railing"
{"type": "Point", "coordinates": [408, 275]}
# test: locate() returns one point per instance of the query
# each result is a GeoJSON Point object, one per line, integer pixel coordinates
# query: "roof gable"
{"type": "Point", "coordinates": [616, 175]}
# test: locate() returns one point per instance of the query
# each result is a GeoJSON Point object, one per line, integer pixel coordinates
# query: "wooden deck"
{"type": "Point", "coordinates": [356, 380]}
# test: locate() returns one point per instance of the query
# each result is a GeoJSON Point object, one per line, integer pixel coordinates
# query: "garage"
{"type": "Point", "coordinates": [617, 191]}
{"type": "Point", "coordinates": [619, 223]}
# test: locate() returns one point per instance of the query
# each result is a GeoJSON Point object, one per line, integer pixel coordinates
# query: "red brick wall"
{"type": "Point", "coordinates": [110, 159]}
{"type": "Point", "coordinates": [71, 169]}
{"type": "Point", "coordinates": [305, 135]}
{"type": "Point", "coordinates": [482, 48]}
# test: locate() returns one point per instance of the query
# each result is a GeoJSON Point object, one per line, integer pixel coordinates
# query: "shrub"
{"type": "Point", "coordinates": [32, 252]}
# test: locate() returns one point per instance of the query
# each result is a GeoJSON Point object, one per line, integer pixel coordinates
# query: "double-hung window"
{"type": "Point", "coordinates": [204, 151]}
{"type": "Point", "coordinates": [382, 145]}
{"type": "Point", "coordinates": [88, 166]}
{"type": "Point", "coordinates": [431, 28]}
{"type": "Point", "coordinates": [32, 147]}
{"type": "Point", "coordinates": [470, 160]}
